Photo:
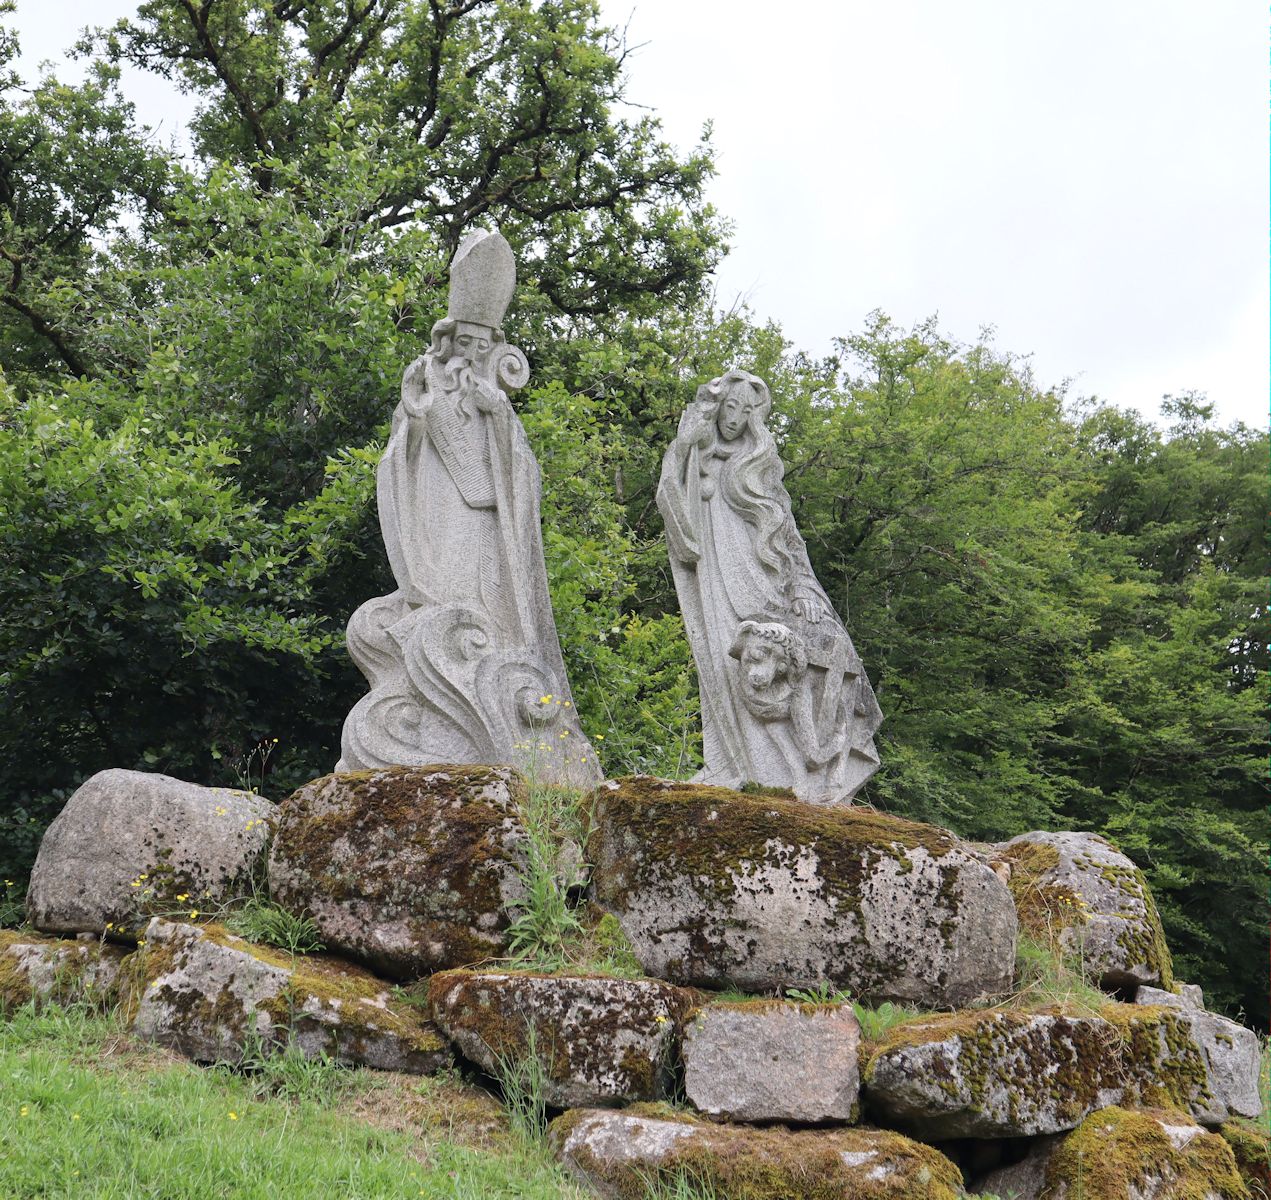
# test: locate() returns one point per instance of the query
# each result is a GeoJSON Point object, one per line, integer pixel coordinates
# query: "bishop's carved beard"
{"type": "Point", "coordinates": [459, 376]}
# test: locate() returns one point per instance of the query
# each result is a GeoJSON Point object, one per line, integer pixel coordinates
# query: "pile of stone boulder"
{"type": "Point", "coordinates": [728, 901]}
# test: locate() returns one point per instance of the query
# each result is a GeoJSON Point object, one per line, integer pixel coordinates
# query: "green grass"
{"type": "Point", "coordinates": [1044, 977]}
{"type": "Point", "coordinates": [263, 921]}
{"type": "Point", "coordinates": [546, 923]}
{"type": "Point", "coordinates": [86, 1113]}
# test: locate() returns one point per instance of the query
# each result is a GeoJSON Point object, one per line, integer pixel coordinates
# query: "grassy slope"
{"type": "Point", "coordinates": [86, 1112]}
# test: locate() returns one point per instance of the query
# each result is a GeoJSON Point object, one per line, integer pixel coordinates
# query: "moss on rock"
{"type": "Point", "coordinates": [994, 1073]}
{"type": "Point", "coordinates": [622, 1153]}
{"type": "Point", "coordinates": [1251, 1145]}
{"type": "Point", "coordinates": [207, 993]}
{"type": "Point", "coordinates": [58, 971]}
{"type": "Point", "coordinates": [1154, 1154]}
{"type": "Point", "coordinates": [1078, 893]}
{"type": "Point", "coordinates": [599, 1040]}
{"type": "Point", "coordinates": [406, 869]}
{"type": "Point", "coordinates": [717, 888]}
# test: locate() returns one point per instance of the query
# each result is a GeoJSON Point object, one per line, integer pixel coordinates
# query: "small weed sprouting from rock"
{"type": "Point", "coordinates": [545, 922]}
{"type": "Point", "coordinates": [264, 921]}
{"type": "Point", "coordinates": [875, 1022]}
{"type": "Point", "coordinates": [823, 992]}
{"type": "Point", "coordinates": [523, 1081]}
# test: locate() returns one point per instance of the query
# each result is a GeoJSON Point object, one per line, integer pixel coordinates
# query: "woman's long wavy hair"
{"type": "Point", "coordinates": [753, 487]}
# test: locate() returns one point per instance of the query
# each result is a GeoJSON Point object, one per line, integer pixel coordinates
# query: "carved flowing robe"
{"type": "Point", "coordinates": [463, 658]}
{"type": "Point", "coordinates": [458, 490]}
{"type": "Point", "coordinates": [818, 739]}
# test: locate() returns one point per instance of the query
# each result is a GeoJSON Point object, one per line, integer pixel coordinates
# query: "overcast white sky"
{"type": "Point", "coordinates": [1091, 178]}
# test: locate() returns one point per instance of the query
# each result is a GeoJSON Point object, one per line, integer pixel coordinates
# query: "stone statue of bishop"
{"type": "Point", "coordinates": [463, 659]}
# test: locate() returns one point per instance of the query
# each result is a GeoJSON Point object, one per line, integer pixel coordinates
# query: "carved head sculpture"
{"type": "Point", "coordinates": [771, 663]}
{"type": "Point", "coordinates": [464, 342]}
{"type": "Point", "coordinates": [482, 279]}
{"type": "Point", "coordinates": [743, 403]}
{"type": "Point", "coordinates": [753, 487]}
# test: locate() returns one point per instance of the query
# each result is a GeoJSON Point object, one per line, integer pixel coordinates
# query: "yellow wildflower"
{"type": "Point", "coordinates": [233, 1116]}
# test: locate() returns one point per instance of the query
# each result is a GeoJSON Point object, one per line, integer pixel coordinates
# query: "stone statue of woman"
{"type": "Point", "coordinates": [785, 699]}
{"type": "Point", "coordinates": [463, 658]}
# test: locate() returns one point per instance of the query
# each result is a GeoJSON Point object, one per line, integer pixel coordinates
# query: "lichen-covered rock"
{"type": "Point", "coordinates": [209, 995]}
{"type": "Point", "coordinates": [1078, 891]}
{"type": "Point", "coordinates": [1251, 1144]}
{"type": "Point", "coordinates": [129, 839]}
{"type": "Point", "coordinates": [773, 1061]}
{"type": "Point", "coordinates": [56, 971]}
{"type": "Point", "coordinates": [995, 1073]}
{"type": "Point", "coordinates": [1189, 1059]}
{"type": "Point", "coordinates": [1004, 1073]}
{"type": "Point", "coordinates": [599, 1040]}
{"type": "Point", "coordinates": [1124, 1154]}
{"type": "Point", "coordinates": [620, 1153]}
{"type": "Point", "coordinates": [719, 888]}
{"type": "Point", "coordinates": [408, 869]}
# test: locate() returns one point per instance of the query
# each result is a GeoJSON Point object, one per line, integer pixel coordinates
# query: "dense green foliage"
{"type": "Point", "coordinates": [1060, 604]}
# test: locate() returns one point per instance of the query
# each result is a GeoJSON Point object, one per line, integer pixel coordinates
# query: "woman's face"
{"type": "Point", "coordinates": [734, 413]}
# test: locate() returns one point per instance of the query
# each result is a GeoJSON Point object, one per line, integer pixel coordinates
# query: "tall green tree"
{"type": "Point", "coordinates": [249, 309]}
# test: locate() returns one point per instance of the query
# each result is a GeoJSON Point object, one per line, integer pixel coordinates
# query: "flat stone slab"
{"type": "Point", "coordinates": [721, 889]}
{"type": "Point", "coordinates": [599, 1040]}
{"type": "Point", "coordinates": [774, 1061]}
{"type": "Point", "coordinates": [128, 840]}
{"type": "Point", "coordinates": [57, 971]}
{"type": "Point", "coordinates": [408, 870]}
{"type": "Point", "coordinates": [619, 1153]}
{"type": "Point", "coordinates": [1080, 891]}
{"type": "Point", "coordinates": [210, 995]}
{"type": "Point", "coordinates": [1123, 1154]}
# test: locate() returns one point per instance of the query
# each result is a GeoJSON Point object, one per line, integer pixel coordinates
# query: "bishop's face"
{"type": "Point", "coordinates": [472, 342]}
{"type": "Point", "coordinates": [734, 413]}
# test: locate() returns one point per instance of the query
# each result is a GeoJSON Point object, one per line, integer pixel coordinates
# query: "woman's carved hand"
{"type": "Point", "coordinates": [808, 608]}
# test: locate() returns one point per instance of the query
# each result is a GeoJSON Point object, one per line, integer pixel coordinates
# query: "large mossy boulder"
{"type": "Point", "coordinates": [596, 1040]}
{"type": "Point", "coordinates": [1124, 1154]}
{"type": "Point", "coordinates": [718, 888]}
{"type": "Point", "coordinates": [1190, 1059]}
{"type": "Point", "coordinates": [623, 1154]}
{"type": "Point", "coordinates": [129, 841]}
{"type": "Point", "coordinates": [409, 870]}
{"type": "Point", "coordinates": [995, 1073]}
{"type": "Point", "coordinates": [773, 1061]}
{"type": "Point", "coordinates": [42, 970]}
{"type": "Point", "coordinates": [1079, 892]}
{"type": "Point", "coordinates": [1002, 1073]}
{"type": "Point", "coordinates": [215, 997]}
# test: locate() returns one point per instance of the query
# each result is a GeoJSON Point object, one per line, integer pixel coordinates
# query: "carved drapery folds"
{"type": "Point", "coordinates": [463, 659]}
{"type": "Point", "coordinates": [785, 699]}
